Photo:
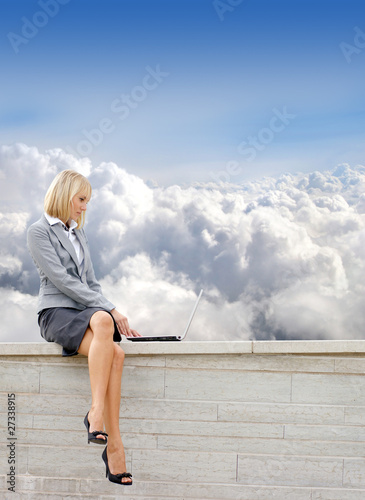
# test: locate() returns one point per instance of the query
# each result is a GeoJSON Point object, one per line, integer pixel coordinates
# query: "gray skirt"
{"type": "Point", "coordinates": [67, 326]}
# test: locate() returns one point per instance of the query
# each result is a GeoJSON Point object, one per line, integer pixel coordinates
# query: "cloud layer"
{"type": "Point", "coordinates": [278, 258]}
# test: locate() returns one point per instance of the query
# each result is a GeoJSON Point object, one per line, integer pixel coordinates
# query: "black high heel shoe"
{"type": "Point", "coordinates": [115, 478]}
{"type": "Point", "coordinates": [91, 436]}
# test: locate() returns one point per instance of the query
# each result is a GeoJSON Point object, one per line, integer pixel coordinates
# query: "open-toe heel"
{"type": "Point", "coordinates": [91, 436]}
{"type": "Point", "coordinates": [115, 478]}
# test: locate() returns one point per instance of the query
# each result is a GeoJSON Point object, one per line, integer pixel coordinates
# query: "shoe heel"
{"type": "Point", "coordinates": [91, 436]}
{"type": "Point", "coordinates": [105, 460]}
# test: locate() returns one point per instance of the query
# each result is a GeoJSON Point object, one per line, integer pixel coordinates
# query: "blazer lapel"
{"type": "Point", "coordinates": [66, 243]}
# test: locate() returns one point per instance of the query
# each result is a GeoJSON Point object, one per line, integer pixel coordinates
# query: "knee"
{"type": "Point", "coordinates": [102, 325]}
{"type": "Point", "coordinates": [118, 358]}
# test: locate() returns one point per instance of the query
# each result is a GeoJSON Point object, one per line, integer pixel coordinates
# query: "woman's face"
{"type": "Point", "coordinates": [78, 205]}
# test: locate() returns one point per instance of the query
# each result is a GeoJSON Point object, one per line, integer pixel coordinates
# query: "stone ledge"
{"type": "Point", "coordinates": [278, 419]}
{"type": "Point", "coordinates": [301, 347]}
{"type": "Point", "coordinates": [133, 349]}
{"type": "Point", "coordinates": [309, 347]}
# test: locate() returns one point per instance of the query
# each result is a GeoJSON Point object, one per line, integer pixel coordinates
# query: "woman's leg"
{"type": "Point", "coordinates": [115, 451]}
{"type": "Point", "coordinates": [105, 380]}
{"type": "Point", "coordinates": [97, 345]}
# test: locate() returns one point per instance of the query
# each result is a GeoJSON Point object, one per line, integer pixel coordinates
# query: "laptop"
{"type": "Point", "coordinates": [166, 338]}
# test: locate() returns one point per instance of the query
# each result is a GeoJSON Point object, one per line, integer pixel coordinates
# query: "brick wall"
{"type": "Point", "coordinates": [199, 420]}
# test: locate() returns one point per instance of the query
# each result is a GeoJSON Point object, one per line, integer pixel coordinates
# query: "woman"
{"type": "Point", "coordinates": [73, 312]}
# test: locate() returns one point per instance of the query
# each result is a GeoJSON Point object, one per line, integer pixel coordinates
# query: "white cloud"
{"type": "Point", "coordinates": [18, 318]}
{"type": "Point", "coordinates": [278, 258]}
{"type": "Point", "coordinates": [9, 264]}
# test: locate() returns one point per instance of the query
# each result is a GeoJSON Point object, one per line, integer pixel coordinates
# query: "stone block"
{"type": "Point", "coordinates": [325, 432]}
{"type": "Point", "coordinates": [308, 347]}
{"type": "Point", "coordinates": [68, 462]}
{"type": "Point", "coordinates": [290, 471]}
{"type": "Point", "coordinates": [71, 431]}
{"type": "Point", "coordinates": [337, 494]}
{"type": "Point", "coordinates": [259, 446]}
{"type": "Point", "coordinates": [220, 385]}
{"type": "Point", "coordinates": [19, 377]}
{"type": "Point", "coordinates": [63, 423]}
{"type": "Point", "coordinates": [57, 485]}
{"type": "Point", "coordinates": [350, 365]}
{"type": "Point", "coordinates": [168, 409]}
{"type": "Point", "coordinates": [46, 495]}
{"type": "Point", "coordinates": [179, 428]}
{"type": "Point", "coordinates": [139, 382]}
{"type": "Point", "coordinates": [184, 467]}
{"type": "Point", "coordinates": [355, 415]}
{"type": "Point", "coordinates": [354, 473]}
{"type": "Point", "coordinates": [145, 361]}
{"type": "Point", "coordinates": [61, 379]}
{"type": "Point", "coordinates": [155, 490]}
{"type": "Point", "coordinates": [186, 347]}
{"type": "Point", "coordinates": [280, 413]}
{"type": "Point", "coordinates": [285, 363]}
{"type": "Point", "coordinates": [49, 404]}
{"type": "Point", "coordinates": [248, 362]}
{"type": "Point", "coordinates": [328, 389]}
{"type": "Point", "coordinates": [42, 348]}
{"type": "Point", "coordinates": [74, 438]}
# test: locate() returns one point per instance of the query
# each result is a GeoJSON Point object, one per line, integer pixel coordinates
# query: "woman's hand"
{"type": "Point", "coordinates": [123, 325]}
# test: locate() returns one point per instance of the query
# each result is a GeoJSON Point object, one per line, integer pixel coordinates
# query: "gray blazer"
{"type": "Point", "coordinates": [62, 282]}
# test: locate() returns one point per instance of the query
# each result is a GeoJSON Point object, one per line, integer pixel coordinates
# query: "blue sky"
{"type": "Point", "coordinates": [176, 90]}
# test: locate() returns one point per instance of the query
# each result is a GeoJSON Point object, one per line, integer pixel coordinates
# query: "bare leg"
{"type": "Point", "coordinates": [105, 360]}
{"type": "Point", "coordinates": [115, 452]}
{"type": "Point", "coordinates": [113, 396]}
{"type": "Point", "coordinates": [97, 344]}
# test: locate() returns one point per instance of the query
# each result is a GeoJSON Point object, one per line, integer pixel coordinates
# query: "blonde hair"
{"type": "Point", "coordinates": [57, 202]}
